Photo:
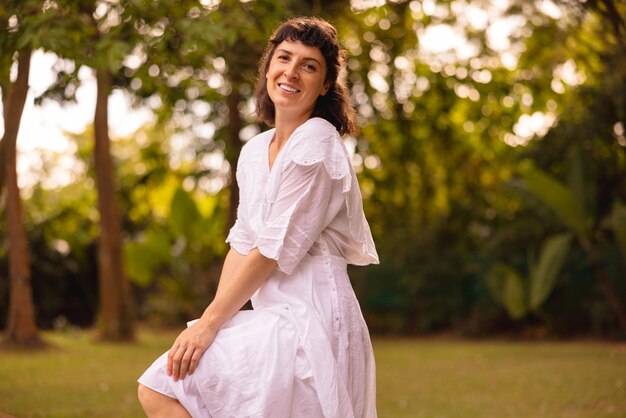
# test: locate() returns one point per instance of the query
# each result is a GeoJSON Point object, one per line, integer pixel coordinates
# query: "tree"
{"type": "Point", "coordinates": [90, 39]}
{"type": "Point", "coordinates": [18, 42]}
{"type": "Point", "coordinates": [21, 328]}
{"type": "Point", "coordinates": [116, 311]}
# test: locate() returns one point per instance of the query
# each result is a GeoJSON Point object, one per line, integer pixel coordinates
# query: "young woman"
{"type": "Point", "coordinates": [304, 351]}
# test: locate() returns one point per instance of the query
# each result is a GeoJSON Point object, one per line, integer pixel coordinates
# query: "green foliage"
{"type": "Point", "coordinates": [543, 275]}
{"type": "Point", "coordinates": [442, 185]}
{"type": "Point", "coordinates": [522, 296]}
{"type": "Point", "coordinates": [177, 238]}
{"type": "Point", "coordinates": [559, 198]}
{"type": "Point", "coordinates": [184, 235]}
{"type": "Point", "coordinates": [146, 257]}
{"type": "Point", "coordinates": [506, 287]}
{"type": "Point", "coordinates": [184, 213]}
{"type": "Point", "coordinates": [433, 155]}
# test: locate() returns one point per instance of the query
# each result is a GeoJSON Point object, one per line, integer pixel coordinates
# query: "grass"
{"type": "Point", "coordinates": [469, 379]}
{"type": "Point", "coordinates": [430, 378]}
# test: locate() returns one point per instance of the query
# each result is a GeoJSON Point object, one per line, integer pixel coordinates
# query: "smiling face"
{"type": "Point", "coordinates": [296, 77]}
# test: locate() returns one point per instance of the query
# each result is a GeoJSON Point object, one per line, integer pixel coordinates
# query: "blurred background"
{"type": "Point", "coordinates": [491, 156]}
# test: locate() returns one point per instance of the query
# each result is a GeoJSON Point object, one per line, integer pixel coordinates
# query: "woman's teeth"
{"type": "Point", "coordinates": [287, 88]}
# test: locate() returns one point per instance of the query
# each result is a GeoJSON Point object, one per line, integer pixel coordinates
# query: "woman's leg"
{"type": "Point", "coordinates": [157, 405]}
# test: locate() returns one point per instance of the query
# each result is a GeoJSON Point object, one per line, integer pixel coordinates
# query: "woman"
{"type": "Point", "coordinates": [304, 351]}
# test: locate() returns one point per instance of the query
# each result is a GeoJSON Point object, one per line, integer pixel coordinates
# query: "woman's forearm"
{"type": "Point", "coordinates": [241, 277]}
{"type": "Point", "coordinates": [232, 261]}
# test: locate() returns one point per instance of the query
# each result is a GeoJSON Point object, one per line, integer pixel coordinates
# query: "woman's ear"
{"type": "Point", "coordinates": [326, 88]}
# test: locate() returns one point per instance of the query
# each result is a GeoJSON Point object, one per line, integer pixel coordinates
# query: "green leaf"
{"type": "Point", "coordinates": [144, 258]}
{"type": "Point", "coordinates": [26, 39]}
{"type": "Point", "coordinates": [559, 198]}
{"type": "Point", "coordinates": [543, 276]}
{"type": "Point", "coordinates": [184, 214]}
{"type": "Point", "coordinates": [136, 262]}
{"type": "Point", "coordinates": [157, 243]}
{"type": "Point", "coordinates": [115, 55]}
{"type": "Point", "coordinates": [506, 287]}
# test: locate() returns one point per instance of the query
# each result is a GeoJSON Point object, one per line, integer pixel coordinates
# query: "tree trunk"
{"type": "Point", "coordinates": [22, 327]}
{"type": "Point", "coordinates": [14, 100]}
{"type": "Point", "coordinates": [116, 313]}
{"type": "Point", "coordinates": [232, 151]}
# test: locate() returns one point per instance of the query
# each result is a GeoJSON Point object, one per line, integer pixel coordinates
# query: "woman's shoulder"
{"type": "Point", "coordinates": [316, 138]}
{"type": "Point", "coordinates": [318, 127]}
{"type": "Point", "coordinates": [316, 141]}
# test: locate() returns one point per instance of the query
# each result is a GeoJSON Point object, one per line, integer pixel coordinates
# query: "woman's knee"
{"type": "Point", "coordinates": [155, 404]}
{"type": "Point", "coordinates": [147, 397]}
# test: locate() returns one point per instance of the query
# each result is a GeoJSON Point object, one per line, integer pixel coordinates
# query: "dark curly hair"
{"type": "Point", "coordinates": [334, 106]}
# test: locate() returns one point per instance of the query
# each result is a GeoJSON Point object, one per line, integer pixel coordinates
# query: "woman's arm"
{"type": "Point", "coordinates": [241, 277]}
{"type": "Point", "coordinates": [231, 263]}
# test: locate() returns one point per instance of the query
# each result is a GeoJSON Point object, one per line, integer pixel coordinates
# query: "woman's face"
{"type": "Point", "coordinates": [296, 78]}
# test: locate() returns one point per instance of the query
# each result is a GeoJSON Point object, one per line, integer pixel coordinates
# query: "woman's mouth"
{"type": "Point", "coordinates": [288, 88]}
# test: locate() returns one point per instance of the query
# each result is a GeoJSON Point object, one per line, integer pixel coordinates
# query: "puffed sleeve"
{"type": "Point", "coordinates": [239, 239]}
{"type": "Point", "coordinates": [298, 214]}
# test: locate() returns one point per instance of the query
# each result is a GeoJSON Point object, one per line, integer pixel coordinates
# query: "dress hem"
{"type": "Point", "coordinates": [156, 390]}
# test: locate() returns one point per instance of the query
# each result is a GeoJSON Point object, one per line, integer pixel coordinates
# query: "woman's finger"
{"type": "Point", "coordinates": [170, 358]}
{"type": "Point", "coordinates": [184, 362]}
{"type": "Point", "coordinates": [176, 360]}
{"type": "Point", "coordinates": [194, 361]}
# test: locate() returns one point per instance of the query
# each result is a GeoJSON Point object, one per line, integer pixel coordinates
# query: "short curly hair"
{"type": "Point", "coordinates": [334, 106]}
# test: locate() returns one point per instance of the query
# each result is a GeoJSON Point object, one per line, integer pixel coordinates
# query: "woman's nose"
{"type": "Point", "coordinates": [291, 71]}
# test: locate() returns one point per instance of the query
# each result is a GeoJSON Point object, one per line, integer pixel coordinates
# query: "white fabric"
{"type": "Point", "coordinates": [304, 351]}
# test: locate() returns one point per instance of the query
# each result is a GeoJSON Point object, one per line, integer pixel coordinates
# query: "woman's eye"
{"type": "Point", "coordinates": [309, 67]}
{"type": "Point", "coordinates": [283, 57]}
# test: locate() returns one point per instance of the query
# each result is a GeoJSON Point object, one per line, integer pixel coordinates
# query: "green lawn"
{"type": "Point", "coordinates": [416, 378]}
{"type": "Point", "coordinates": [468, 379]}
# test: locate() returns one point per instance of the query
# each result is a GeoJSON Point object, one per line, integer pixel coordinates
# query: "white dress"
{"type": "Point", "coordinates": [304, 351]}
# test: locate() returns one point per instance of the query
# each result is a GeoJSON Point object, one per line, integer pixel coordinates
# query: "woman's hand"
{"type": "Point", "coordinates": [242, 275]}
{"type": "Point", "coordinates": [187, 350]}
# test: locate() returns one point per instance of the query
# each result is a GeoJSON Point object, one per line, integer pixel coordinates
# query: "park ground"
{"type": "Point", "coordinates": [417, 377]}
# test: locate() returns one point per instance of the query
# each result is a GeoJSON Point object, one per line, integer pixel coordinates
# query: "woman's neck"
{"type": "Point", "coordinates": [285, 125]}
